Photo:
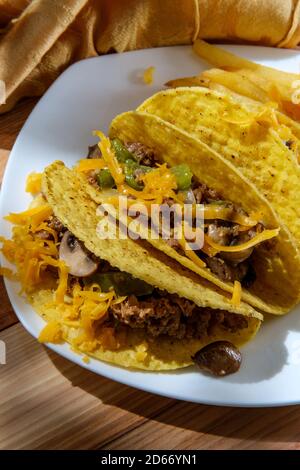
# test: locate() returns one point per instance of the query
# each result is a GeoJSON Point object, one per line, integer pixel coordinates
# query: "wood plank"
{"type": "Point", "coordinates": [48, 402]}
{"type": "Point", "coordinates": [7, 315]}
{"type": "Point", "coordinates": [189, 426]}
{"type": "Point", "coordinates": [12, 122]}
{"type": "Point", "coordinates": [4, 154]}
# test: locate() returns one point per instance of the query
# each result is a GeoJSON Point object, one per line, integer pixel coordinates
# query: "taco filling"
{"type": "Point", "coordinates": [139, 304]}
{"type": "Point", "coordinates": [105, 304]}
{"type": "Point", "coordinates": [230, 235]}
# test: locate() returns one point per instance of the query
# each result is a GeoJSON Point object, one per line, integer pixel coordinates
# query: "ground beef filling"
{"type": "Point", "coordinates": [94, 152]}
{"type": "Point", "coordinates": [226, 266]}
{"type": "Point", "coordinates": [170, 315]}
{"type": "Point", "coordinates": [144, 155]}
{"type": "Point", "coordinates": [158, 313]}
{"type": "Point", "coordinates": [55, 224]}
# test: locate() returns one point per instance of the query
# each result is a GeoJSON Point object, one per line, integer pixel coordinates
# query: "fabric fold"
{"type": "Point", "coordinates": [40, 38]}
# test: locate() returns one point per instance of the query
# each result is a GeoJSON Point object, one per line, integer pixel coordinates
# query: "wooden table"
{"type": "Point", "coordinates": [48, 402]}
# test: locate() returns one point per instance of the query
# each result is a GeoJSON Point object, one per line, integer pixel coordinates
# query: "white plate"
{"type": "Point", "coordinates": [86, 97]}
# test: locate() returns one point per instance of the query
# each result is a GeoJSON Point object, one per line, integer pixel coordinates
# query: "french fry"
{"type": "Point", "coordinates": [222, 89]}
{"type": "Point", "coordinates": [290, 123]}
{"type": "Point", "coordinates": [256, 81]}
{"type": "Point", "coordinates": [245, 79]}
{"type": "Point", "coordinates": [237, 83]}
{"type": "Point", "coordinates": [276, 90]}
{"type": "Point", "coordinates": [228, 61]}
{"type": "Point", "coordinates": [186, 81]}
{"type": "Point", "coordinates": [221, 58]}
{"type": "Point", "coordinates": [291, 109]}
{"type": "Point", "coordinates": [288, 114]}
{"type": "Point", "coordinates": [223, 81]}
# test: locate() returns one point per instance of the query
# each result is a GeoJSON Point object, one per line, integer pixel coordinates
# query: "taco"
{"type": "Point", "coordinates": [258, 140]}
{"type": "Point", "coordinates": [118, 300]}
{"type": "Point", "coordinates": [245, 246]}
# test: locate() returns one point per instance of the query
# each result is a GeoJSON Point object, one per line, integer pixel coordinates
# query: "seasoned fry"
{"type": "Point", "coordinates": [276, 90]}
{"type": "Point", "coordinates": [226, 60]}
{"type": "Point", "coordinates": [221, 58]}
{"type": "Point", "coordinates": [244, 78]}
{"type": "Point", "coordinates": [187, 81]}
{"type": "Point", "coordinates": [238, 83]}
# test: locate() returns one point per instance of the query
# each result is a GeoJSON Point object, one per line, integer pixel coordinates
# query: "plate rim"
{"type": "Point", "coordinates": [67, 353]}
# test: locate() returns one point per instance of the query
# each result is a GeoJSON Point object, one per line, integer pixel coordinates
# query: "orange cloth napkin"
{"type": "Point", "coordinates": [40, 38]}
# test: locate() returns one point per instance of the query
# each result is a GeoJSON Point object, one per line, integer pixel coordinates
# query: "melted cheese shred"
{"type": "Point", "coordinates": [236, 294]}
{"type": "Point", "coordinates": [259, 238]}
{"type": "Point", "coordinates": [89, 164]}
{"type": "Point", "coordinates": [191, 254]}
{"type": "Point", "coordinates": [82, 308]}
{"type": "Point", "coordinates": [33, 217]}
{"type": "Point", "coordinates": [31, 254]}
{"type": "Point", "coordinates": [110, 158]}
{"type": "Point", "coordinates": [159, 184]}
{"type": "Point", "coordinates": [33, 183]}
{"type": "Point", "coordinates": [265, 116]}
{"type": "Point", "coordinates": [85, 310]}
{"type": "Point", "coordinates": [51, 333]}
{"type": "Point", "coordinates": [148, 75]}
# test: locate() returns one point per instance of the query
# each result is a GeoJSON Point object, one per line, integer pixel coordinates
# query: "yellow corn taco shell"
{"type": "Point", "coordinates": [251, 138]}
{"type": "Point", "coordinates": [139, 353]}
{"type": "Point", "coordinates": [71, 203]}
{"type": "Point", "coordinates": [276, 289]}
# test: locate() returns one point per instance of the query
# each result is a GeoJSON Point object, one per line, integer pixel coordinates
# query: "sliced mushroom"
{"type": "Point", "coordinates": [219, 358]}
{"type": "Point", "coordinates": [79, 262]}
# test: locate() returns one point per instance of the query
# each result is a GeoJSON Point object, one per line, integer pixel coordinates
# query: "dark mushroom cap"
{"type": "Point", "coordinates": [219, 358]}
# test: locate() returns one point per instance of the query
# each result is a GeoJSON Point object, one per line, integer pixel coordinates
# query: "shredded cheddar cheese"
{"type": "Point", "coordinates": [51, 333]}
{"type": "Point", "coordinates": [32, 217]}
{"type": "Point", "coordinates": [45, 227]}
{"type": "Point", "coordinates": [63, 275]}
{"type": "Point", "coordinates": [83, 309]}
{"type": "Point", "coordinates": [109, 158]}
{"type": "Point", "coordinates": [236, 294]}
{"type": "Point", "coordinates": [89, 164]}
{"type": "Point", "coordinates": [31, 254]}
{"type": "Point", "coordinates": [158, 184]}
{"type": "Point", "coordinates": [148, 75]}
{"type": "Point", "coordinates": [259, 238]}
{"type": "Point", "coordinates": [33, 183]}
{"type": "Point", "coordinates": [141, 352]}
{"type": "Point", "coordinates": [266, 116]}
{"type": "Point", "coordinates": [191, 254]}
{"type": "Point", "coordinates": [7, 272]}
